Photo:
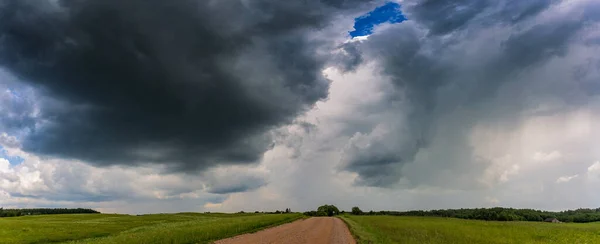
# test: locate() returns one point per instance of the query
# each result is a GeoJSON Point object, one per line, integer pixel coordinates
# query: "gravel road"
{"type": "Point", "coordinates": [313, 230]}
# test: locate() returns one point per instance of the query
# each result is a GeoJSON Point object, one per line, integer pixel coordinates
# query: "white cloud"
{"type": "Point", "coordinates": [358, 38]}
{"type": "Point", "coordinates": [56, 182]}
{"type": "Point", "coordinates": [565, 179]}
{"type": "Point", "coordinates": [4, 166]}
{"type": "Point", "coordinates": [8, 141]}
{"type": "Point", "coordinates": [594, 170]}
{"type": "Point", "coordinates": [546, 157]}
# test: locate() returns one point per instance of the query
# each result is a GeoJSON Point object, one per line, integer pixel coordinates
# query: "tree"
{"type": "Point", "coordinates": [330, 210]}
{"type": "Point", "coordinates": [356, 211]}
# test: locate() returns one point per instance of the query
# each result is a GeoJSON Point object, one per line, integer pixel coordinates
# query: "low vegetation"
{"type": "Point", "coordinates": [403, 229]}
{"type": "Point", "coordinates": [499, 214]}
{"type": "Point", "coordinates": [154, 228]}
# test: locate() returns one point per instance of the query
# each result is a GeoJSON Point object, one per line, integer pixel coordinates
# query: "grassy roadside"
{"type": "Point", "coordinates": [198, 231]}
{"type": "Point", "coordinates": [358, 232]}
{"type": "Point", "coordinates": [155, 228]}
{"type": "Point", "coordinates": [401, 229]}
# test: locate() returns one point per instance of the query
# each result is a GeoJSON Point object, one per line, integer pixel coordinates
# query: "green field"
{"type": "Point", "coordinates": [155, 228]}
{"type": "Point", "coordinates": [396, 229]}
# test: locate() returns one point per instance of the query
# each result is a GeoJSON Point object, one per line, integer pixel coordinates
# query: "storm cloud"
{"type": "Point", "coordinates": [455, 65]}
{"type": "Point", "coordinates": [188, 83]}
{"type": "Point", "coordinates": [196, 105]}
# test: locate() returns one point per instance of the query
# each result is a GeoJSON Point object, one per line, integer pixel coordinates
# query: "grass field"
{"type": "Point", "coordinates": [155, 228]}
{"type": "Point", "coordinates": [396, 229]}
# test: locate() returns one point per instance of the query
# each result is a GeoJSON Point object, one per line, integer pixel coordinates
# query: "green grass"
{"type": "Point", "coordinates": [396, 229]}
{"type": "Point", "coordinates": [155, 228]}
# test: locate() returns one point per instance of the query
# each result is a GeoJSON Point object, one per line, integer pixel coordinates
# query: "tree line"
{"type": "Point", "coordinates": [40, 211]}
{"type": "Point", "coordinates": [582, 215]}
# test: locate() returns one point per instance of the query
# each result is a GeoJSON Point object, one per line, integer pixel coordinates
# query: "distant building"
{"type": "Point", "coordinates": [552, 220]}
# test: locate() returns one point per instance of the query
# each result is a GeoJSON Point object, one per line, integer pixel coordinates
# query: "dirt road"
{"type": "Point", "coordinates": [315, 230]}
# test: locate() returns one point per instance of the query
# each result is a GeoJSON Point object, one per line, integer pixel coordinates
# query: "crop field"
{"type": "Point", "coordinates": [155, 228]}
{"type": "Point", "coordinates": [396, 229]}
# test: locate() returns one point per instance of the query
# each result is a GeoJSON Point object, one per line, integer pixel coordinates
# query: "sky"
{"type": "Point", "coordinates": [388, 13]}
{"type": "Point", "coordinates": [147, 106]}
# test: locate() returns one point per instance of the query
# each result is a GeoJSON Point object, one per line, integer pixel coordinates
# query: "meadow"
{"type": "Point", "coordinates": [403, 229]}
{"type": "Point", "coordinates": [153, 228]}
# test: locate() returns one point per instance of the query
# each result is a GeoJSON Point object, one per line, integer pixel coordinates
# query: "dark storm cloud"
{"type": "Point", "coordinates": [349, 57]}
{"type": "Point", "coordinates": [252, 184]}
{"type": "Point", "coordinates": [17, 109]}
{"type": "Point", "coordinates": [443, 17]}
{"type": "Point", "coordinates": [541, 42]}
{"type": "Point", "coordinates": [516, 11]}
{"type": "Point", "coordinates": [226, 182]}
{"type": "Point", "coordinates": [192, 83]}
{"type": "Point", "coordinates": [76, 197]}
{"type": "Point", "coordinates": [436, 75]}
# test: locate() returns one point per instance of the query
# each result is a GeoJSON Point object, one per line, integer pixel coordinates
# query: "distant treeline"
{"type": "Point", "coordinates": [39, 211]}
{"type": "Point", "coordinates": [583, 215]}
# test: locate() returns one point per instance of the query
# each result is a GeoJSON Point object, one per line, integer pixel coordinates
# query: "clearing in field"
{"type": "Point", "coordinates": [396, 229]}
{"type": "Point", "coordinates": [154, 228]}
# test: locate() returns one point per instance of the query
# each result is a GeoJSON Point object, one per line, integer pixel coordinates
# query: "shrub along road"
{"type": "Point", "coordinates": [313, 230]}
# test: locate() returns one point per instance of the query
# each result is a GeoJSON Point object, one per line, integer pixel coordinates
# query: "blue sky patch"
{"type": "Point", "coordinates": [388, 13]}
{"type": "Point", "coordinates": [13, 160]}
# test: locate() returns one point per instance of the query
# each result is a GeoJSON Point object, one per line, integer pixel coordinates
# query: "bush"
{"type": "Point", "coordinates": [356, 211]}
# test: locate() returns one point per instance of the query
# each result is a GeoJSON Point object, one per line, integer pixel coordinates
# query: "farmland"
{"type": "Point", "coordinates": [402, 229]}
{"type": "Point", "coordinates": [206, 228]}
{"type": "Point", "coordinates": [154, 228]}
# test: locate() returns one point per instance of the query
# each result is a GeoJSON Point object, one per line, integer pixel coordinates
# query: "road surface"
{"type": "Point", "coordinates": [317, 230]}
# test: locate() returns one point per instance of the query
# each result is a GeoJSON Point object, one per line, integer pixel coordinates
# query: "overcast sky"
{"type": "Point", "coordinates": [147, 106]}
